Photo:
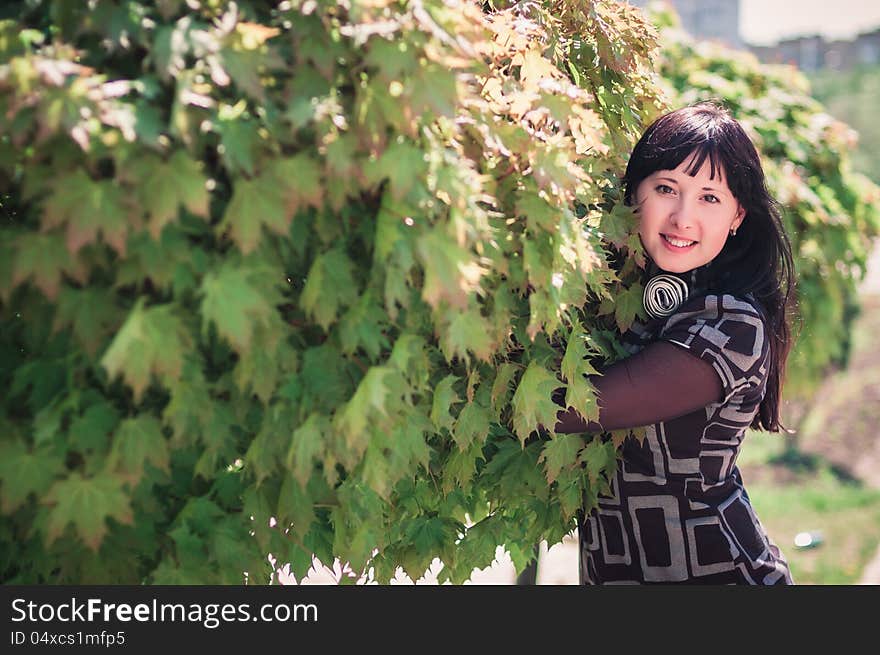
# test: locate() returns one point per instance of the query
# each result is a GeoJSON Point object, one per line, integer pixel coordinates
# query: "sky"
{"type": "Point", "coordinates": [767, 21]}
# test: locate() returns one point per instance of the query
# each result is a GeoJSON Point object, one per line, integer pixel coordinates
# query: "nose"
{"type": "Point", "coordinates": [683, 215]}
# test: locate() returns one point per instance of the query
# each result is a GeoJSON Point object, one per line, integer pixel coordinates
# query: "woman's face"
{"type": "Point", "coordinates": [684, 220]}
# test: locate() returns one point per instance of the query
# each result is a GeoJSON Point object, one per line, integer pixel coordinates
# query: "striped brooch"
{"type": "Point", "coordinates": [663, 295]}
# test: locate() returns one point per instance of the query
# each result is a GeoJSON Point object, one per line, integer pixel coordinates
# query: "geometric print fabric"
{"type": "Point", "coordinates": [678, 511]}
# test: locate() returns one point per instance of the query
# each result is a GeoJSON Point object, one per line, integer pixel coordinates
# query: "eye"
{"type": "Point", "coordinates": [664, 189]}
{"type": "Point", "coordinates": [711, 199]}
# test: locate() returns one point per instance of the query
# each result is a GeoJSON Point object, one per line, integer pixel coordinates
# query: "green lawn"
{"type": "Point", "coordinates": [799, 493]}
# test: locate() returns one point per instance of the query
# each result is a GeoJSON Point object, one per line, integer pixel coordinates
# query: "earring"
{"type": "Point", "coordinates": [733, 231]}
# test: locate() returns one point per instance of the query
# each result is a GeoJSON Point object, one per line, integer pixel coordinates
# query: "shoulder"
{"type": "Point", "coordinates": [728, 331]}
{"type": "Point", "coordinates": [737, 316]}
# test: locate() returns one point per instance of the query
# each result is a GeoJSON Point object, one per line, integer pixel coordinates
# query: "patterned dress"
{"type": "Point", "coordinates": [678, 511]}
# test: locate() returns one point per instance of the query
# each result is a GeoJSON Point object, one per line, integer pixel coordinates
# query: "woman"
{"type": "Point", "coordinates": [707, 365]}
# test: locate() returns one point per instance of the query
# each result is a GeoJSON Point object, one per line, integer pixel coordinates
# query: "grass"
{"type": "Point", "coordinates": [794, 492]}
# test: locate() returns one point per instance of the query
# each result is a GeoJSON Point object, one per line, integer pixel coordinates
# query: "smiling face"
{"type": "Point", "coordinates": [684, 219]}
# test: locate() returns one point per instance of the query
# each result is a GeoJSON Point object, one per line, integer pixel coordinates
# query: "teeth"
{"type": "Point", "coordinates": [680, 243]}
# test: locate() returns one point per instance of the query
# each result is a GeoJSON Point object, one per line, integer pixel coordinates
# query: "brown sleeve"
{"type": "Point", "coordinates": [659, 383]}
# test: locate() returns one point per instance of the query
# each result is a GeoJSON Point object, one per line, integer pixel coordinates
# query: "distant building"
{"type": "Point", "coordinates": [812, 53]}
{"type": "Point", "coordinates": [715, 20]}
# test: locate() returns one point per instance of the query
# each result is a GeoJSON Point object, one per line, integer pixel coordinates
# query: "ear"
{"type": "Point", "coordinates": [739, 218]}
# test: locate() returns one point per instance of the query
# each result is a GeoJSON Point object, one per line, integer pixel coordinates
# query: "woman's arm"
{"type": "Point", "coordinates": [659, 383]}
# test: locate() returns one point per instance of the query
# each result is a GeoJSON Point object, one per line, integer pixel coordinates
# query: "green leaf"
{"type": "Point", "coordinates": [23, 473]}
{"type": "Point", "coordinates": [581, 395]}
{"type": "Point", "coordinates": [307, 447]}
{"type": "Point", "coordinates": [560, 453]}
{"type": "Point", "coordinates": [618, 224]}
{"type": "Point", "coordinates": [364, 326]}
{"type": "Point", "coordinates": [403, 164]}
{"type": "Point", "coordinates": [330, 286]}
{"type": "Point", "coordinates": [91, 431]}
{"type": "Point", "coordinates": [87, 503]}
{"type": "Point", "coordinates": [628, 306]}
{"type": "Point", "coordinates": [239, 297]}
{"type": "Point", "coordinates": [295, 507]}
{"type": "Point", "coordinates": [165, 186]}
{"type": "Point", "coordinates": [151, 342]}
{"type": "Point", "coordinates": [256, 204]}
{"type": "Point", "coordinates": [532, 402]}
{"type": "Point", "coordinates": [137, 441]}
{"type": "Point", "coordinates": [445, 397]}
{"type": "Point", "coordinates": [239, 139]}
{"type": "Point", "coordinates": [409, 356]}
{"type": "Point", "coordinates": [472, 426]}
{"type": "Point", "coordinates": [599, 457]}
{"type": "Point", "coordinates": [91, 312]}
{"type": "Point", "coordinates": [88, 208]}
{"type": "Point", "coordinates": [501, 386]}
{"type": "Point", "coordinates": [369, 408]}
{"type": "Point", "coordinates": [467, 332]}
{"type": "Point", "coordinates": [301, 181]}
{"type": "Point", "coordinates": [43, 258]}
{"type": "Point", "coordinates": [452, 273]}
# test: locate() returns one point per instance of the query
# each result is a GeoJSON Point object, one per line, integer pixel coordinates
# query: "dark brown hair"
{"type": "Point", "coordinates": [757, 260]}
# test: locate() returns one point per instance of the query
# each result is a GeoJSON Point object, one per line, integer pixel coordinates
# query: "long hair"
{"type": "Point", "coordinates": [758, 259]}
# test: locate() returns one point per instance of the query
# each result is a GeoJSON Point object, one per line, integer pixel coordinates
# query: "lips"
{"type": "Point", "coordinates": [675, 242]}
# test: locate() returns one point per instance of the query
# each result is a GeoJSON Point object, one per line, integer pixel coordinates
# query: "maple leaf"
{"type": "Point", "coordinates": [137, 441]}
{"type": "Point", "coordinates": [560, 453]}
{"type": "Point", "coordinates": [239, 297]}
{"type": "Point", "coordinates": [92, 312]}
{"type": "Point", "coordinates": [452, 273]}
{"type": "Point", "coordinates": [23, 472]}
{"type": "Point", "coordinates": [307, 447]}
{"type": "Point", "coordinates": [501, 385]}
{"type": "Point", "coordinates": [190, 407]}
{"type": "Point", "coordinates": [445, 397]}
{"type": "Point", "coordinates": [44, 259]}
{"type": "Point", "coordinates": [240, 140]}
{"type": "Point", "coordinates": [330, 286]}
{"type": "Point", "coordinates": [532, 402]}
{"type": "Point", "coordinates": [151, 342]}
{"type": "Point", "coordinates": [88, 208]}
{"type": "Point", "coordinates": [628, 305]}
{"type": "Point", "coordinates": [256, 204]}
{"type": "Point", "coordinates": [364, 326]}
{"type": "Point", "coordinates": [87, 503]}
{"type": "Point", "coordinates": [471, 426]}
{"type": "Point", "coordinates": [410, 357]}
{"type": "Point", "coordinates": [257, 370]}
{"type": "Point", "coordinates": [460, 467]}
{"type": "Point", "coordinates": [300, 179]}
{"type": "Point", "coordinates": [467, 332]}
{"type": "Point", "coordinates": [91, 431]}
{"type": "Point", "coordinates": [580, 394]}
{"type": "Point", "coordinates": [598, 457]}
{"type": "Point", "coordinates": [247, 58]}
{"type": "Point", "coordinates": [403, 164]}
{"type": "Point", "coordinates": [406, 446]}
{"type": "Point", "coordinates": [618, 224]}
{"type": "Point", "coordinates": [165, 186]}
{"type": "Point", "coordinates": [368, 408]}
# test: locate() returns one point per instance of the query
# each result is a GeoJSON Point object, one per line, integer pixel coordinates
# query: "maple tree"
{"type": "Point", "coordinates": [300, 278]}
